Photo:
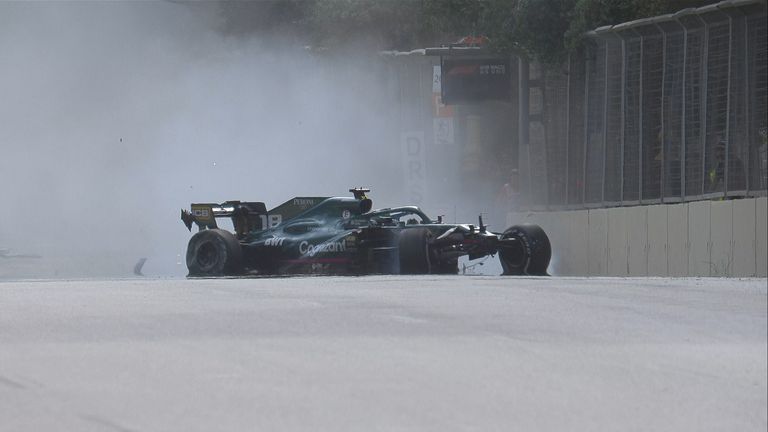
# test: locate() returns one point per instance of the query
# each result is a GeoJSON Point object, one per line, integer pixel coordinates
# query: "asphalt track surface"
{"type": "Point", "coordinates": [384, 354]}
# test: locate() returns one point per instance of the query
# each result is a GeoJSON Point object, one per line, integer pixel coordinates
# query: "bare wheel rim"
{"type": "Point", "coordinates": [207, 255]}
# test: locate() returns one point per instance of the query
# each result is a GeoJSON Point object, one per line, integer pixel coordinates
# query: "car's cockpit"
{"type": "Point", "coordinates": [408, 215]}
{"type": "Point", "coordinates": [397, 216]}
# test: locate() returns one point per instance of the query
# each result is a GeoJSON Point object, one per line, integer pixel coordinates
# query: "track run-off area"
{"type": "Point", "coordinates": [384, 353]}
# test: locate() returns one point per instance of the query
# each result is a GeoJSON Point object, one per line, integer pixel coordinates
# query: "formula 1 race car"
{"type": "Point", "coordinates": [341, 235]}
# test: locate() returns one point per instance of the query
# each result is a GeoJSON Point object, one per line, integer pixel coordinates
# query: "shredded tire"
{"type": "Point", "coordinates": [214, 252]}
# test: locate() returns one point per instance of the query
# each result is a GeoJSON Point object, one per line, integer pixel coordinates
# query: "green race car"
{"type": "Point", "coordinates": [342, 235]}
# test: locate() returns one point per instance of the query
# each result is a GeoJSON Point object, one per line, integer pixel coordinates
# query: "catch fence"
{"type": "Point", "coordinates": [660, 110]}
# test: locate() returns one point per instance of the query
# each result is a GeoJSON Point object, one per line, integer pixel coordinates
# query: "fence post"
{"type": "Point", "coordinates": [728, 109]}
{"type": "Point", "coordinates": [703, 111]}
{"type": "Point", "coordinates": [623, 110]}
{"type": "Point", "coordinates": [585, 147]}
{"type": "Point", "coordinates": [640, 115]}
{"type": "Point", "coordinates": [523, 120]}
{"type": "Point", "coordinates": [683, 136]}
{"type": "Point", "coordinates": [747, 118]}
{"type": "Point", "coordinates": [663, 190]}
{"type": "Point", "coordinates": [568, 131]}
{"type": "Point", "coordinates": [605, 120]}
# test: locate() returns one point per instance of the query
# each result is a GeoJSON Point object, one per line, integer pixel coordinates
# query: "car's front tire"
{"type": "Point", "coordinates": [530, 255]}
{"type": "Point", "coordinates": [214, 252]}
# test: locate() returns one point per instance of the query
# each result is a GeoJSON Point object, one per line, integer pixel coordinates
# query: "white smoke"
{"type": "Point", "coordinates": [115, 115]}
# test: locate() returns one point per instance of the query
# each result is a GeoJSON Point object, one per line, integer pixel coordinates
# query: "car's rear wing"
{"type": "Point", "coordinates": [246, 216]}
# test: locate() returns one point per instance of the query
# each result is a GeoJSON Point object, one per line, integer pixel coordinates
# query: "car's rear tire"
{"type": "Point", "coordinates": [414, 251]}
{"type": "Point", "coordinates": [530, 255]}
{"type": "Point", "coordinates": [214, 252]}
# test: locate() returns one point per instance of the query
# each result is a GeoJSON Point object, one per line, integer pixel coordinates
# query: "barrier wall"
{"type": "Point", "coordinates": [598, 242]}
{"type": "Point", "coordinates": [677, 240]}
{"type": "Point", "coordinates": [658, 237]}
{"type": "Point", "coordinates": [617, 242]}
{"type": "Point", "coordinates": [702, 238]}
{"type": "Point", "coordinates": [761, 237]}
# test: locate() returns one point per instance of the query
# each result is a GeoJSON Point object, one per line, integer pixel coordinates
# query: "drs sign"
{"type": "Point", "coordinates": [414, 166]}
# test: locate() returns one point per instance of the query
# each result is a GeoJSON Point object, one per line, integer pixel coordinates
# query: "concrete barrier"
{"type": "Point", "coordinates": [617, 242]}
{"type": "Point", "coordinates": [699, 245]}
{"type": "Point", "coordinates": [702, 238]}
{"type": "Point", "coordinates": [744, 241]}
{"type": "Point", "coordinates": [677, 240]}
{"type": "Point", "coordinates": [761, 237]}
{"type": "Point", "coordinates": [658, 223]}
{"type": "Point", "coordinates": [721, 238]}
{"type": "Point", "coordinates": [578, 242]}
{"type": "Point", "coordinates": [598, 242]}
